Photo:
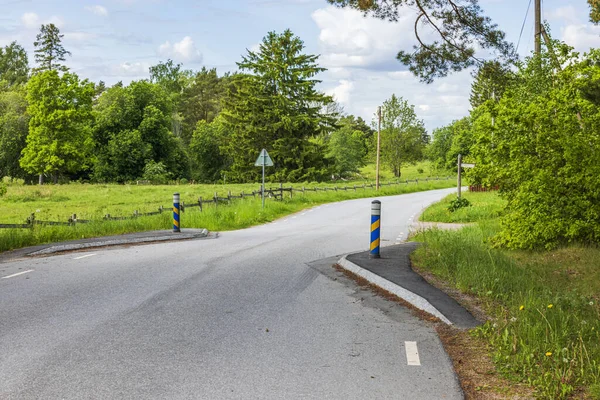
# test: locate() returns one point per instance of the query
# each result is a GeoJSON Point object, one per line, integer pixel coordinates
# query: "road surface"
{"type": "Point", "coordinates": [252, 314]}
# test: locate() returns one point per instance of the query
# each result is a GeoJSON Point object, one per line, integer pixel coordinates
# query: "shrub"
{"type": "Point", "coordinates": [420, 170]}
{"type": "Point", "coordinates": [183, 181]}
{"type": "Point", "coordinates": [2, 189]}
{"type": "Point", "coordinates": [156, 172]}
{"type": "Point", "coordinates": [457, 203]}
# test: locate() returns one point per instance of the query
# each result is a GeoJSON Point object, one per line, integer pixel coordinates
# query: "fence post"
{"type": "Point", "coordinates": [176, 222]}
{"type": "Point", "coordinates": [375, 229]}
{"type": "Point", "coordinates": [200, 203]}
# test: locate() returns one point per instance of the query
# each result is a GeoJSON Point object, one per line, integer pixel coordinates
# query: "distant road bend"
{"type": "Point", "coordinates": [250, 315]}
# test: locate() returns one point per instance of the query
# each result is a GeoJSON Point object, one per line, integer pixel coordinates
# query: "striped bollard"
{"type": "Point", "coordinates": [176, 210]}
{"type": "Point", "coordinates": [375, 229]}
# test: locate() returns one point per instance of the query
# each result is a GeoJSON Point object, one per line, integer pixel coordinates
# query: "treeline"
{"type": "Point", "coordinates": [188, 125]}
{"type": "Point", "coordinates": [534, 131]}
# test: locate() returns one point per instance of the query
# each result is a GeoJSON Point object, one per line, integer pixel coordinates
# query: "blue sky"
{"type": "Point", "coordinates": [115, 40]}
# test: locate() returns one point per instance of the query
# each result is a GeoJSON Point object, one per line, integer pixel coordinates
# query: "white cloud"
{"type": "Point", "coordinates": [98, 10]}
{"type": "Point", "coordinates": [79, 36]}
{"type": "Point", "coordinates": [566, 13]}
{"type": "Point", "coordinates": [581, 36]}
{"type": "Point", "coordinates": [341, 93]}
{"type": "Point", "coordinates": [130, 69]}
{"type": "Point", "coordinates": [185, 50]}
{"type": "Point", "coordinates": [30, 20]}
{"type": "Point", "coordinates": [349, 39]}
{"type": "Point", "coordinates": [33, 21]}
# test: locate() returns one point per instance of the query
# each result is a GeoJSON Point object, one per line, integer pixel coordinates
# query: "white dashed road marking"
{"type": "Point", "coordinates": [20, 273]}
{"type": "Point", "coordinates": [86, 256]}
{"type": "Point", "coordinates": [412, 353]}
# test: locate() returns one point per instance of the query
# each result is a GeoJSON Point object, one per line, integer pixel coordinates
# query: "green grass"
{"type": "Point", "coordinates": [407, 172]}
{"type": "Point", "coordinates": [484, 206]}
{"type": "Point", "coordinates": [92, 202]}
{"type": "Point", "coordinates": [545, 327]}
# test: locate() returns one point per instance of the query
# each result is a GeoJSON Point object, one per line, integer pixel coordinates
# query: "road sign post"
{"type": "Point", "coordinates": [263, 160]}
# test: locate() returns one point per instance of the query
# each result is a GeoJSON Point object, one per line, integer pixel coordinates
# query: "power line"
{"type": "Point", "coordinates": [523, 26]}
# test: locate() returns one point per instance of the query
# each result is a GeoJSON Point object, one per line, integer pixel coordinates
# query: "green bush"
{"type": "Point", "coordinates": [156, 172]}
{"type": "Point", "coordinates": [457, 203]}
{"type": "Point", "coordinates": [2, 189]}
{"type": "Point", "coordinates": [183, 181]}
{"type": "Point", "coordinates": [543, 152]}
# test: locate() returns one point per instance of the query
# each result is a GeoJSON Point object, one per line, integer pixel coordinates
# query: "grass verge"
{"type": "Point", "coordinates": [239, 214]}
{"type": "Point", "coordinates": [543, 307]}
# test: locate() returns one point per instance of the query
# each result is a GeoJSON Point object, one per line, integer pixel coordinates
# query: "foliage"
{"type": "Point", "coordinates": [14, 65]}
{"type": "Point", "coordinates": [49, 50]}
{"type": "Point", "coordinates": [276, 106]}
{"type": "Point", "coordinates": [595, 18]}
{"type": "Point", "coordinates": [491, 79]}
{"type": "Point", "coordinates": [458, 203]}
{"type": "Point", "coordinates": [3, 189]}
{"type": "Point", "coordinates": [459, 27]}
{"type": "Point", "coordinates": [156, 172]}
{"type": "Point", "coordinates": [133, 127]}
{"type": "Point", "coordinates": [59, 137]}
{"type": "Point", "coordinates": [14, 127]}
{"type": "Point", "coordinates": [484, 206]}
{"type": "Point", "coordinates": [208, 160]}
{"type": "Point", "coordinates": [346, 149]}
{"type": "Point", "coordinates": [543, 305]}
{"type": "Point", "coordinates": [450, 141]}
{"type": "Point", "coordinates": [543, 152]}
{"type": "Point", "coordinates": [403, 135]}
{"type": "Point", "coordinates": [202, 99]}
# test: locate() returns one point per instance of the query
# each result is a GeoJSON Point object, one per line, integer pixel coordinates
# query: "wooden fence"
{"type": "Point", "coordinates": [273, 193]}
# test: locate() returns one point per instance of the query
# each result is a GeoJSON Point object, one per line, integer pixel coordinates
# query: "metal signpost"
{"type": "Point", "coordinates": [263, 160]}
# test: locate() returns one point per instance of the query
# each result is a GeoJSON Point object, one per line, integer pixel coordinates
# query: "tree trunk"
{"type": "Point", "coordinates": [41, 179]}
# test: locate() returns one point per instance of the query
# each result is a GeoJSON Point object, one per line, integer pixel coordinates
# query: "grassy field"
{"type": "Point", "coordinates": [543, 306]}
{"type": "Point", "coordinates": [484, 206]}
{"type": "Point", "coordinates": [94, 201]}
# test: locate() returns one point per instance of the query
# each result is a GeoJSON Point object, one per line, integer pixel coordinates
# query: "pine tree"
{"type": "Point", "coordinates": [49, 50]}
{"type": "Point", "coordinates": [491, 80]}
{"type": "Point", "coordinates": [276, 106]}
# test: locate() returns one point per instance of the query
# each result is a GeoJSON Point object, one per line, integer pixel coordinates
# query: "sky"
{"type": "Point", "coordinates": [118, 40]}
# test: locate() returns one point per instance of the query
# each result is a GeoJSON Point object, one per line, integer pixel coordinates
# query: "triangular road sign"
{"type": "Point", "coordinates": [264, 159]}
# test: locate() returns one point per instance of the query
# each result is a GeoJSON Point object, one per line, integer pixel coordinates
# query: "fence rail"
{"type": "Point", "coordinates": [274, 193]}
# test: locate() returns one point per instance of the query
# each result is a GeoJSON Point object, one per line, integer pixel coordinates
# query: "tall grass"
{"type": "Point", "coordinates": [240, 213]}
{"type": "Point", "coordinates": [543, 330]}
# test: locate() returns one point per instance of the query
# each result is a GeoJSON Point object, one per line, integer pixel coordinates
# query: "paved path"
{"type": "Point", "coordinates": [251, 314]}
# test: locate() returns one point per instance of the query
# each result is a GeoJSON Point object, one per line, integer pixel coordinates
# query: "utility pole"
{"type": "Point", "coordinates": [538, 27]}
{"type": "Point", "coordinates": [378, 147]}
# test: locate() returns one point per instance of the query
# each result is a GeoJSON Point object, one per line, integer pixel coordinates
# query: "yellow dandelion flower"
{"type": "Point", "coordinates": [521, 308]}
{"type": "Point", "coordinates": [550, 305]}
{"type": "Point", "coordinates": [548, 354]}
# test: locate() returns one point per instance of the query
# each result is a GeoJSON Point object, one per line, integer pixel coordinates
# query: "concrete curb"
{"type": "Point", "coordinates": [406, 295]}
{"type": "Point", "coordinates": [117, 242]}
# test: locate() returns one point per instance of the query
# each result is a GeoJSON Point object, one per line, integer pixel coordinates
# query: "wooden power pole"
{"type": "Point", "coordinates": [378, 147]}
{"type": "Point", "coordinates": [538, 27]}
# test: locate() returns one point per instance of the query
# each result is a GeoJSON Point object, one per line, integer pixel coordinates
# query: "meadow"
{"type": "Point", "coordinates": [543, 306]}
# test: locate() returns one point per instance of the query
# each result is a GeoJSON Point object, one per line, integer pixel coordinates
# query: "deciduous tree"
{"type": "Point", "coordinates": [60, 138]}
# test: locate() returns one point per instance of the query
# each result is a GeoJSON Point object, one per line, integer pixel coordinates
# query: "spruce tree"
{"type": "Point", "coordinates": [49, 50]}
{"type": "Point", "coordinates": [276, 106]}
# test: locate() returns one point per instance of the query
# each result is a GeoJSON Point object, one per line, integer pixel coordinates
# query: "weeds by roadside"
{"type": "Point", "coordinates": [544, 321]}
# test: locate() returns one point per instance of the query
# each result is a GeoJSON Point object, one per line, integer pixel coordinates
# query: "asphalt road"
{"type": "Point", "coordinates": [250, 315]}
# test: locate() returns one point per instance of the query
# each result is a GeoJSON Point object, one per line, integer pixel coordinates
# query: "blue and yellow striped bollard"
{"type": "Point", "coordinates": [176, 210]}
{"type": "Point", "coordinates": [375, 229]}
